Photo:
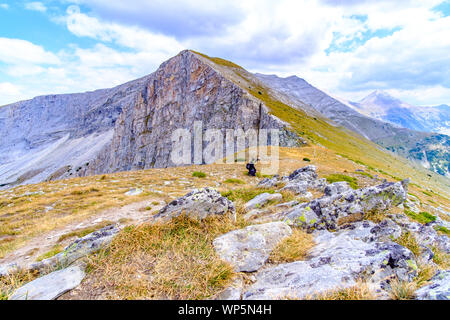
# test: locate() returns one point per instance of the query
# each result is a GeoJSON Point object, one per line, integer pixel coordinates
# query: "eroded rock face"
{"type": "Point", "coordinates": [126, 127]}
{"type": "Point", "coordinates": [336, 262]}
{"type": "Point", "coordinates": [197, 204]}
{"type": "Point", "coordinates": [185, 89]}
{"type": "Point", "coordinates": [326, 212]}
{"type": "Point", "coordinates": [51, 286]}
{"type": "Point", "coordinates": [248, 249]}
{"type": "Point", "coordinates": [79, 248]}
{"type": "Point", "coordinates": [437, 289]}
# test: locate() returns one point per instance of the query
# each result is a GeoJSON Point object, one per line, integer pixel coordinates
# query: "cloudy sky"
{"type": "Point", "coordinates": [347, 48]}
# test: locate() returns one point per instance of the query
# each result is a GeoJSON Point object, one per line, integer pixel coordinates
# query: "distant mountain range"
{"type": "Point", "coordinates": [382, 106]}
{"type": "Point", "coordinates": [431, 150]}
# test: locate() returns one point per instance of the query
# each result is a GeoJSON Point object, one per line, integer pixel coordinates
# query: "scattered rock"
{"type": "Point", "coordinates": [261, 199]}
{"type": "Point", "coordinates": [437, 289]}
{"type": "Point", "coordinates": [307, 173]}
{"type": "Point", "coordinates": [233, 292]}
{"type": "Point", "coordinates": [8, 269]}
{"type": "Point", "coordinates": [199, 204]}
{"type": "Point", "coordinates": [253, 213]}
{"type": "Point", "coordinates": [297, 187]}
{"type": "Point", "coordinates": [79, 248]}
{"type": "Point", "coordinates": [328, 211]}
{"type": "Point", "coordinates": [269, 182]}
{"type": "Point", "coordinates": [249, 248]}
{"type": "Point", "coordinates": [336, 262]}
{"type": "Point", "coordinates": [367, 231]}
{"type": "Point", "coordinates": [337, 188]}
{"type": "Point", "coordinates": [134, 192]}
{"type": "Point", "coordinates": [51, 286]}
{"type": "Point", "coordinates": [289, 204]}
{"type": "Point", "coordinates": [426, 235]}
{"type": "Point", "coordinates": [303, 179]}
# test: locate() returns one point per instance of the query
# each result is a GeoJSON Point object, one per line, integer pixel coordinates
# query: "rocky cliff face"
{"type": "Point", "coordinates": [183, 90]}
{"type": "Point", "coordinates": [124, 128]}
{"type": "Point", "coordinates": [54, 136]}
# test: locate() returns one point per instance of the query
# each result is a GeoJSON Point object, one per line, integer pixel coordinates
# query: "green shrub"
{"type": "Point", "coordinates": [364, 174]}
{"type": "Point", "coordinates": [53, 252]}
{"type": "Point", "coordinates": [199, 174]}
{"type": "Point", "coordinates": [307, 159]}
{"type": "Point", "coordinates": [427, 193]}
{"type": "Point", "coordinates": [336, 177]}
{"type": "Point", "coordinates": [422, 217]}
{"type": "Point", "coordinates": [234, 181]}
{"type": "Point", "coordinates": [245, 194]}
{"type": "Point", "coordinates": [442, 229]}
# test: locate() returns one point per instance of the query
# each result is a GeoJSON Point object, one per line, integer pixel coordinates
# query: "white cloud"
{"type": "Point", "coordinates": [36, 6]}
{"type": "Point", "coordinates": [9, 91]}
{"type": "Point", "coordinates": [4, 6]}
{"type": "Point", "coordinates": [16, 51]}
{"type": "Point", "coordinates": [409, 58]}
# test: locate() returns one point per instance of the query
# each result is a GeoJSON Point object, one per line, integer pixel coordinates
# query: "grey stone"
{"type": "Point", "coordinates": [426, 235]}
{"type": "Point", "coordinates": [337, 188]}
{"type": "Point", "coordinates": [261, 199]}
{"type": "Point", "coordinates": [326, 212]}
{"type": "Point", "coordinates": [248, 249]}
{"type": "Point", "coordinates": [79, 248]}
{"type": "Point", "coordinates": [134, 192]}
{"type": "Point", "coordinates": [367, 231]}
{"type": "Point", "coordinates": [253, 214]}
{"type": "Point", "coordinates": [289, 204]}
{"type": "Point", "coordinates": [51, 286]}
{"type": "Point", "coordinates": [8, 269]}
{"type": "Point", "coordinates": [437, 289]}
{"type": "Point", "coordinates": [336, 262]}
{"type": "Point", "coordinates": [307, 173]}
{"type": "Point", "coordinates": [232, 292]}
{"type": "Point", "coordinates": [269, 182]}
{"type": "Point", "coordinates": [297, 187]}
{"type": "Point", "coordinates": [198, 204]}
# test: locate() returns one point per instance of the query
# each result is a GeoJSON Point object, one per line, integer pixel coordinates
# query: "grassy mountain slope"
{"type": "Point", "coordinates": [319, 131]}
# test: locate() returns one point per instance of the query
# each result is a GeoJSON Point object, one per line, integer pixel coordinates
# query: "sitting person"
{"type": "Point", "coordinates": [251, 169]}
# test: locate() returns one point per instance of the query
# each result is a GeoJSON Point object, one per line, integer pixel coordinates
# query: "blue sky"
{"type": "Point", "coordinates": [347, 48]}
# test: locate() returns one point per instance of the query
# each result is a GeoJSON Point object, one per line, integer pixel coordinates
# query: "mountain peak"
{"type": "Point", "coordinates": [381, 100]}
{"type": "Point", "coordinates": [379, 94]}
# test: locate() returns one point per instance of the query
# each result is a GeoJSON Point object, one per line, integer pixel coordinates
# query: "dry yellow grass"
{"type": "Point", "coordinates": [409, 241]}
{"type": "Point", "coordinates": [165, 261]}
{"type": "Point", "coordinates": [402, 290]}
{"type": "Point", "coordinates": [441, 258]}
{"type": "Point", "coordinates": [10, 283]}
{"type": "Point", "coordinates": [361, 291]}
{"type": "Point", "coordinates": [292, 249]}
{"type": "Point", "coordinates": [24, 210]}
